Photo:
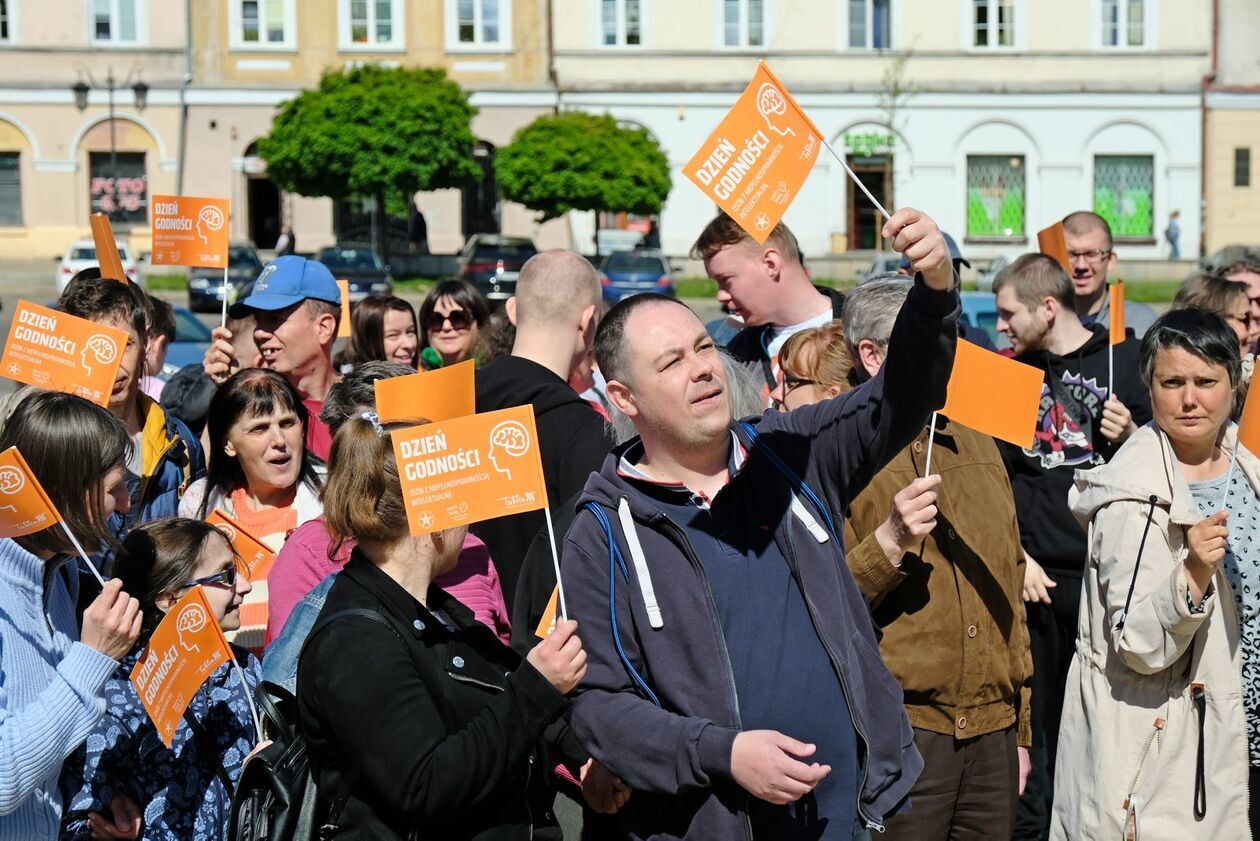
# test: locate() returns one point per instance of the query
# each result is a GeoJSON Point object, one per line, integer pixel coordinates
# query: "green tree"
{"type": "Point", "coordinates": [579, 161]}
{"type": "Point", "coordinates": [383, 133]}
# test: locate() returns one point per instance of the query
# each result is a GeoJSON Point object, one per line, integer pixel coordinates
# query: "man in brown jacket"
{"type": "Point", "coordinates": [939, 560]}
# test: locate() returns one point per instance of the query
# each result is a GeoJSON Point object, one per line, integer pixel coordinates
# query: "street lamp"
{"type": "Point", "coordinates": [140, 93]}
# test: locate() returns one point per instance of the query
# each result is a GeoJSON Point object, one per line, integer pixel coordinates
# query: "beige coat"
{"type": "Point", "coordinates": [1129, 737]}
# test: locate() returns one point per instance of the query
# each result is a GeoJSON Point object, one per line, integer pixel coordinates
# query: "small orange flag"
{"type": "Point", "coordinates": [187, 647]}
{"type": "Point", "coordinates": [438, 395]}
{"type": "Point", "coordinates": [24, 507]}
{"type": "Point", "coordinates": [343, 326]}
{"type": "Point", "coordinates": [1116, 309]}
{"type": "Point", "coordinates": [254, 554]}
{"type": "Point", "coordinates": [53, 350]}
{"type": "Point", "coordinates": [1051, 242]}
{"type": "Point", "coordinates": [107, 248]}
{"type": "Point", "coordinates": [1249, 423]}
{"type": "Point", "coordinates": [994, 395]}
{"type": "Point", "coordinates": [756, 160]}
{"type": "Point", "coordinates": [470, 469]}
{"type": "Point", "coordinates": [547, 623]}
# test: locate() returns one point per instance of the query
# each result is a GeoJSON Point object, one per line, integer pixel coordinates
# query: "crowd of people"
{"type": "Point", "coordinates": [801, 604]}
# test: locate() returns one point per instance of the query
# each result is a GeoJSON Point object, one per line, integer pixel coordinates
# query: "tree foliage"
{"type": "Point", "coordinates": [373, 131]}
{"type": "Point", "coordinates": [579, 161]}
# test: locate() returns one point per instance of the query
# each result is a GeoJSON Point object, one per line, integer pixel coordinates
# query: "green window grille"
{"type": "Point", "coordinates": [995, 196]}
{"type": "Point", "coordinates": [1124, 194]}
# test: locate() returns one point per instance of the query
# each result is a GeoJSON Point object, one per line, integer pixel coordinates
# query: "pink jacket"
{"type": "Point", "coordinates": [305, 560]}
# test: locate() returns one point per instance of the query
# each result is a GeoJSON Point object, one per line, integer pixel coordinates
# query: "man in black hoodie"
{"type": "Point", "coordinates": [554, 310]}
{"type": "Point", "coordinates": [1089, 406]}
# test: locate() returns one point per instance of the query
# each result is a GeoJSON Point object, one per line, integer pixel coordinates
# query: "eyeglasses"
{"type": "Point", "coordinates": [1244, 319]}
{"type": "Point", "coordinates": [1093, 256]}
{"type": "Point", "coordinates": [791, 383]}
{"type": "Point", "coordinates": [227, 578]}
{"type": "Point", "coordinates": [459, 319]}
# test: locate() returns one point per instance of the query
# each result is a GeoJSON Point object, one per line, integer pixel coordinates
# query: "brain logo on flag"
{"type": "Point", "coordinates": [191, 620]}
{"type": "Point", "coordinates": [511, 440]}
{"type": "Point", "coordinates": [101, 348]}
{"type": "Point", "coordinates": [211, 219]}
{"type": "Point", "coordinates": [228, 531]}
{"type": "Point", "coordinates": [11, 481]}
{"type": "Point", "coordinates": [771, 103]}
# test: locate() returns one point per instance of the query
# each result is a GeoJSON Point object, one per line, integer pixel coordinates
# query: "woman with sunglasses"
{"type": "Point", "coordinates": [451, 316]}
{"type": "Point", "coordinates": [382, 327]}
{"type": "Point", "coordinates": [813, 366]}
{"type": "Point", "coordinates": [185, 790]}
{"type": "Point", "coordinates": [1228, 299]}
{"type": "Point", "coordinates": [260, 475]}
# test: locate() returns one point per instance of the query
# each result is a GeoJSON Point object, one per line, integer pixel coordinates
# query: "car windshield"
{"type": "Point", "coordinates": [189, 329]}
{"type": "Point", "coordinates": [349, 258]}
{"type": "Point", "coordinates": [88, 252]}
{"type": "Point", "coordinates": [510, 251]}
{"type": "Point", "coordinates": [635, 264]}
{"type": "Point", "coordinates": [243, 257]}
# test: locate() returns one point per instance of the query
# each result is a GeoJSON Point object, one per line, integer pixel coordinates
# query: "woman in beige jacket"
{"type": "Point", "coordinates": [1156, 725]}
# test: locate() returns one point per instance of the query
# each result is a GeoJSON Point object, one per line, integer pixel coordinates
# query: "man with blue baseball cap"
{"type": "Point", "coordinates": [296, 307]}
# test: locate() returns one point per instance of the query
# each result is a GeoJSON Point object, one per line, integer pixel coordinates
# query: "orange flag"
{"type": "Point", "coordinates": [994, 395]}
{"type": "Point", "coordinates": [547, 623]}
{"type": "Point", "coordinates": [1051, 242]}
{"type": "Point", "coordinates": [190, 231]}
{"type": "Point", "coordinates": [343, 326]}
{"type": "Point", "coordinates": [756, 160]}
{"type": "Point", "coordinates": [1116, 309]}
{"type": "Point", "coordinates": [50, 349]}
{"type": "Point", "coordinates": [438, 395]}
{"type": "Point", "coordinates": [107, 248]}
{"type": "Point", "coordinates": [253, 553]}
{"type": "Point", "coordinates": [470, 469]}
{"type": "Point", "coordinates": [187, 647]}
{"type": "Point", "coordinates": [24, 507]}
{"type": "Point", "coordinates": [1249, 423]}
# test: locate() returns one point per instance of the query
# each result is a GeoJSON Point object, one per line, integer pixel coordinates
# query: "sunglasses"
{"type": "Point", "coordinates": [227, 578]}
{"type": "Point", "coordinates": [459, 320]}
{"type": "Point", "coordinates": [791, 383]}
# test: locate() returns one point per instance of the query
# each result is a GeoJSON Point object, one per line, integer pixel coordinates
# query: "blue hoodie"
{"type": "Point", "coordinates": [677, 755]}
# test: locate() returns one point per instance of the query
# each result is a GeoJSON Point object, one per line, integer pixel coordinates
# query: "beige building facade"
{"type": "Point", "coordinates": [1011, 113]}
{"type": "Point", "coordinates": [1232, 146]}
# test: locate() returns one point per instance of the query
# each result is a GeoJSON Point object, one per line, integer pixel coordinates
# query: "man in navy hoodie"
{"type": "Point", "coordinates": [734, 679]}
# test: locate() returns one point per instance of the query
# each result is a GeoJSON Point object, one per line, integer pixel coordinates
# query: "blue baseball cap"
{"type": "Point", "coordinates": [286, 281]}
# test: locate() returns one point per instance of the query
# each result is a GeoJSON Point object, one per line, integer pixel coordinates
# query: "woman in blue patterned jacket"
{"type": "Point", "coordinates": [184, 791]}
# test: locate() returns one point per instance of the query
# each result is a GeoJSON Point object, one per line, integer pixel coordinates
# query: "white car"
{"type": "Point", "coordinates": [82, 254]}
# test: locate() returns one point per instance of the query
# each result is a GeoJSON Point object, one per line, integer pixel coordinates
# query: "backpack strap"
{"type": "Point", "coordinates": [799, 486]}
{"type": "Point", "coordinates": [338, 803]}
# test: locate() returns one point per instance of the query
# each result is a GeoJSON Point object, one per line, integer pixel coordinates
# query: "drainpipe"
{"type": "Point", "coordinates": [183, 101]}
{"type": "Point", "coordinates": [1204, 85]}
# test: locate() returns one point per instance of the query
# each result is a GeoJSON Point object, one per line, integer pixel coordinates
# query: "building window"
{"type": "Point", "coordinates": [263, 25]}
{"type": "Point", "coordinates": [6, 22]}
{"type": "Point", "coordinates": [621, 23]}
{"type": "Point", "coordinates": [478, 24]}
{"type": "Point", "coordinates": [995, 196]}
{"type": "Point", "coordinates": [1124, 194]}
{"type": "Point", "coordinates": [115, 21]}
{"type": "Point", "coordinates": [744, 23]}
{"type": "Point", "coordinates": [870, 24]}
{"type": "Point", "coordinates": [10, 190]}
{"type": "Point", "coordinates": [371, 24]}
{"type": "Point", "coordinates": [993, 23]}
{"type": "Point", "coordinates": [122, 194]}
{"type": "Point", "coordinates": [1123, 23]}
{"type": "Point", "coordinates": [1242, 167]}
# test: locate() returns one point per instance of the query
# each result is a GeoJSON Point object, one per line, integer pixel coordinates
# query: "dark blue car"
{"type": "Point", "coordinates": [627, 273]}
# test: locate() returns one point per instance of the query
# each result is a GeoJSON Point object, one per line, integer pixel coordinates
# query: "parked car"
{"type": "Point", "coordinates": [883, 262]}
{"type": "Point", "coordinates": [979, 309]}
{"type": "Point", "coordinates": [192, 340]}
{"type": "Point", "coordinates": [81, 254]}
{"type": "Point", "coordinates": [360, 267]}
{"type": "Point", "coordinates": [984, 279]}
{"type": "Point", "coordinates": [205, 286]}
{"type": "Point", "coordinates": [492, 263]}
{"type": "Point", "coordinates": [627, 273]}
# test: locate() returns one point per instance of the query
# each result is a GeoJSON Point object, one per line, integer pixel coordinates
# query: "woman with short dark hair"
{"type": "Point", "coordinates": [186, 789]}
{"type": "Point", "coordinates": [382, 327]}
{"type": "Point", "coordinates": [1164, 688]}
{"type": "Point", "coordinates": [52, 677]}
{"type": "Point", "coordinates": [451, 316]}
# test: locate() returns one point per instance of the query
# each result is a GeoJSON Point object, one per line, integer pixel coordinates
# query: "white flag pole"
{"type": "Point", "coordinates": [927, 471]}
{"type": "Point", "coordinates": [1229, 475]}
{"type": "Point", "coordinates": [555, 560]}
{"type": "Point", "coordinates": [856, 180]}
{"type": "Point", "coordinates": [74, 541]}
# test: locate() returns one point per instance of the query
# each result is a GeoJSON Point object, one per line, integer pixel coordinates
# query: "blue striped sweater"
{"type": "Point", "coordinates": [51, 691]}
